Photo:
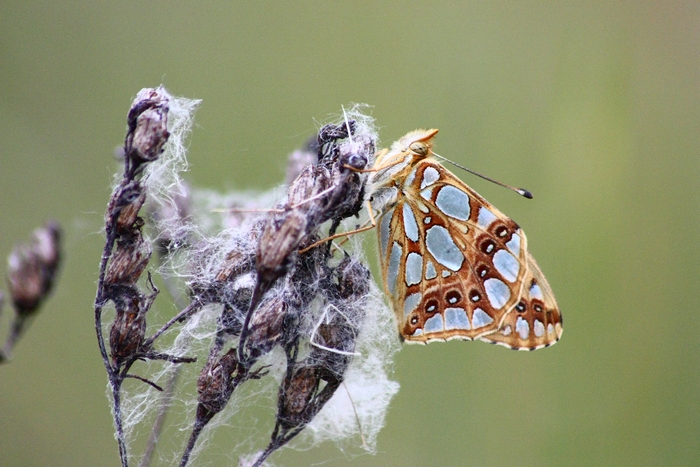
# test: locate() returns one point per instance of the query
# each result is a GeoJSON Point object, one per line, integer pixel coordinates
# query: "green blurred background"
{"type": "Point", "coordinates": [594, 107]}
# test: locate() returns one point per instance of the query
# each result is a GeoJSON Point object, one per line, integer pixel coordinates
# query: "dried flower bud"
{"type": "Point", "coordinates": [127, 201]}
{"type": "Point", "coordinates": [215, 383]}
{"type": "Point", "coordinates": [284, 231]}
{"type": "Point", "coordinates": [279, 240]}
{"type": "Point", "coordinates": [309, 182]}
{"type": "Point", "coordinates": [130, 258]}
{"type": "Point", "coordinates": [266, 327]}
{"type": "Point", "coordinates": [147, 127]}
{"type": "Point", "coordinates": [338, 335]}
{"type": "Point", "coordinates": [128, 329]}
{"type": "Point", "coordinates": [296, 395]}
{"type": "Point", "coordinates": [32, 268]}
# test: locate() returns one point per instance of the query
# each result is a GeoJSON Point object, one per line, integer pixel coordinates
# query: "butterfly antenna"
{"type": "Point", "coordinates": [520, 191]}
{"type": "Point", "coordinates": [347, 123]}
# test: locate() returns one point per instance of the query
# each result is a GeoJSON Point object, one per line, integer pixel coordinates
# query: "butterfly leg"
{"type": "Point", "coordinates": [364, 228]}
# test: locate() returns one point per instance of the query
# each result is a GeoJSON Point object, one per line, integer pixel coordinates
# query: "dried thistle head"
{"type": "Point", "coordinates": [215, 383]}
{"type": "Point", "coordinates": [279, 240]}
{"type": "Point", "coordinates": [268, 325]}
{"type": "Point", "coordinates": [128, 330]}
{"type": "Point", "coordinates": [129, 260]}
{"type": "Point", "coordinates": [32, 268]}
{"type": "Point", "coordinates": [296, 395]}
{"type": "Point", "coordinates": [147, 128]}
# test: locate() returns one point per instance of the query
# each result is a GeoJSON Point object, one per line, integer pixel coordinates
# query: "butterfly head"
{"type": "Point", "coordinates": [393, 165]}
{"type": "Point", "coordinates": [418, 143]}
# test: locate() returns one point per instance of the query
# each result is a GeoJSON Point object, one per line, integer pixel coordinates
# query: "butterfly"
{"type": "Point", "coordinates": [453, 265]}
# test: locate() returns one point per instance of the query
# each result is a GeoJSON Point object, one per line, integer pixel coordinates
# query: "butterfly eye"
{"type": "Point", "coordinates": [474, 296]}
{"type": "Point", "coordinates": [414, 320]}
{"type": "Point", "coordinates": [538, 308]}
{"type": "Point", "coordinates": [419, 148]}
{"type": "Point", "coordinates": [482, 271]}
{"type": "Point", "coordinates": [520, 307]}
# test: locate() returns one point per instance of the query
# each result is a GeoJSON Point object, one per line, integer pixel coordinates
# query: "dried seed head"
{"type": "Point", "coordinates": [130, 258]}
{"type": "Point", "coordinates": [267, 327]}
{"type": "Point", "coordinates": [215, 383]}
{"type": "Point", "coordinates": [296, 395]}
{"type": "Point", "coordinates": [147, 127]}
{"type": "Point", "coordinates": [126, 202]}
{"type": "Point", "coordinates": [46, 242]}
{"type": "Point", "coordinates": [32, 268]}
{"type": "Point", "coordinates": [279, 240]}
{"type": "Point", "coordinates": [128, 329]}
{"type": "Point", "coordinates": [337, 334]}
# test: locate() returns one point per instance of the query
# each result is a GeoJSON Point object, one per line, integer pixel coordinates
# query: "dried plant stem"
{"type": "Point", "coordinates": [188, 311]}
{"type": "Point", "coordinates": [116, 394]}
{"type": "Point", "coordinates": [18, 327]}
{"type": "Point", "coordinates": [112, 375]}
{"type": "Point", "coordinates": [166, 397]}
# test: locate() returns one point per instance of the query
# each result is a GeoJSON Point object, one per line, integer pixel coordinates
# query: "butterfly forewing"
{"type": "Point", "coordinates": [452, 263]}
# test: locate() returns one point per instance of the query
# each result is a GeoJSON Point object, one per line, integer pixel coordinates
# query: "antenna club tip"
{"type": "Point", "coordinates": [525, 193]}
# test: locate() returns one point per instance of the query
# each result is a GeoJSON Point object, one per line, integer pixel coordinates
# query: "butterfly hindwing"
{"type": "Point", "coordinates": [535, 321]}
